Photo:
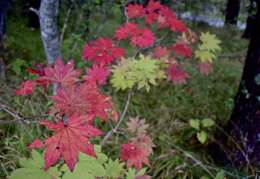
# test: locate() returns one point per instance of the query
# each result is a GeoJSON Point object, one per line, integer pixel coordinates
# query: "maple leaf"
{"type": "Point", "coordinates": [205, 56]}
{"type": "Point", "coordinates": [176, 75]}
{"type": "Point", "coordinates": [102, 51]}
{"type": "Point", "coordinates": [135, 10]}
{"type": "Point", "coordinates": [121, 76]}
{"type": "Point", "coordinates": [177, 25]}
{"type": "Point", "coordinates": [124, 31]}
{"type": "Point", "coordinates": [37, 70]}
{"type": "Point", "coordinates": [137, 151]}
{"type": "Point", "coordinates": [142, 72]}
{"type": "Point", "coordinates": [142, 38]}
{"type": "Point", "coordinates": [26, 87]}
{"type": "Point", "coordinates": [137, 126]}
{"type": "Point", "coordinates": [205, 68]}
{"type": "Point", "coordinates": [36, 144]}
{"type": "Point", "coordinates": [209, 42]}
{"type": "Point", "coordinates": [83, 99]}
{"type": "Point", "coordinates": [68, 140]}
{"type": "Point", "coordinates": [62, 74]}
{"type": "Point", "coordinates": [160, 52]}
{"type": "Point", "coordinates": [97, 74]}
{"type": "Point", "coordinates": [152, 9]}
{"type": "Point", "coordinates": [182, 49]}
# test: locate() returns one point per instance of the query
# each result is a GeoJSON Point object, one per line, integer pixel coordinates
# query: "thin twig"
{"type": "Point", "coordinates": [65, 25]}
{"type": "Point", "coordinates": [122, 117]}
{"type": "Point", "coordinates": [187, 154]}
{"type": "Point", "coordinates": [35, 11]}
{"type": "Point", "coordinates": [9, 111]}
{"type": "Point", "coordinates": [17, 118]}
{"type": "Point", "coordinates": [4, 122]}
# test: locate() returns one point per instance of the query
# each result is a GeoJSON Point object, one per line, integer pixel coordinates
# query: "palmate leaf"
{"type": "Point", "coordinates": [206, 51]}
{"type": "Point", "coordinates": [90, 167]}
{"type": "Point", "coordinates": [68, 140]}
{"type": "Point", "coordinates": [33, 169]}
{"type": "Point", "coordinates": [121, 76]}
{"type": "Point", "coordinates": [142, 72]}
{"type": "Point", "coordinates": [209, 42]}
{"type": "Point", "coordinates": [205, 56]}
{"type": "Point", "coordinates": [114, 169]}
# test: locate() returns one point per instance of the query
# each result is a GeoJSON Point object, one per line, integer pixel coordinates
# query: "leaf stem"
{"type": "Point", "coordinates": [122, 117]}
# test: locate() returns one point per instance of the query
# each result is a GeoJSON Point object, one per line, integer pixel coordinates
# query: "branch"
{"type": "Point", "coordinates": [17, 117]}
{"type": "Point", "coordinates": [122, 117]}
{"type": "Point", "coordinates": [35, 11]}
{"type": "Point", "coordinates": [187, 154]}
{"type": "Point", "coordinates": [65, 25]}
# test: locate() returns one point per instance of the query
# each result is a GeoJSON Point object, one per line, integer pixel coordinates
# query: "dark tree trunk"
{"type": "Point", "coordinates": [33, 18]}
{"type": "Point", "coordinates": [232, 11]}
{"type": "Point", "coordinates": [49, 29]}
{"type": "Point", "coordinates": [245, 119]}
{"type": "Point", "coordinates": [3, 9]}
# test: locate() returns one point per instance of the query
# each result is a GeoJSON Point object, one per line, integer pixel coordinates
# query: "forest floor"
{"type": "Point", "coordinates": [167, 108]}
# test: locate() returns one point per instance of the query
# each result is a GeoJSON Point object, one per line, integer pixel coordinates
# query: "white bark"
{"type": "Point", "coordinates": [49, 30]}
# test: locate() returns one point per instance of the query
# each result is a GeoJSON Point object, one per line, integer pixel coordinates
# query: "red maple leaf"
{"type": "Point", "coordinates": [135, 10]}
{"type": "Point", "coordinates": [160, 52]}
{"type": "Point", "coordinates": [83, 99]}
{"type": "Point", "coordinates": [142, 38]}
{"type": "Point", "coordinates": [176, 75]}
{"type": "Point", "coordinates": [182, 49]}
{"type": "Point", "coordinates": [205, 68]}
{"type": "Point", "coordinates": [62, 74]}
{"type": "Point", "coordinates": [177, 25]}
{"type": "Point", "coordinates": [102, 51]}
{"type": "Point", "coordinates": [97, 74]}
{"type": "Point", "coordinates": [137, 151]}
{"type": "Point", "coordinates": [68, 140]}
{"type": "Point", "coordinates": [36, 144]}
{"type": "Point", "coordinates": [152, 9]}
{"type": "Point", "coordinates": [165, 17]}
{"type": "Point", "coordinates": [124, 31]}
{"type": "Point", "coordinates": [26, 87]}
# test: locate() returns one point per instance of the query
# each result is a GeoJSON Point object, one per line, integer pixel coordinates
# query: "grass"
{"type": "Point", "coordinates": [167, 108]}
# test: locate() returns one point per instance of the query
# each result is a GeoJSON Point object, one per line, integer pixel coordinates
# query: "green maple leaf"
{"type": "Point", "coordinates": [121, 76]}
{"type": "Point", "coordinates": [205, 56]}
{"type": "Point", "coordinates": [130, 173]}
{"type": "Point", "coordinates": [33, 169]}
{"type": "Point", "coordinates": [87, 166]}
{"type": "Point", "coordinates": [114, 169]}
{"type": "Point", "coordinates": [209, 42]}
{"type": "Point", "coordinates": [142, 72]}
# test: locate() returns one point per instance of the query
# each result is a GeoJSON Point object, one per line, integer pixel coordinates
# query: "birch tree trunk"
{"type": "Point", "coordinates": [49, 30]}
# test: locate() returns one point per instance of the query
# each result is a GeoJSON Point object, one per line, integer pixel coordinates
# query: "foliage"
{"type": "Point", "coordinates": [201, 126]}
{"type": "Point", "coordinates": [88, 167]}
{"type": "Point", "coordinates": [176, 95]}
{"type": "Point", "coordinates": [141, 72]}
{"type": "Point", "coordinates": [32, 168]}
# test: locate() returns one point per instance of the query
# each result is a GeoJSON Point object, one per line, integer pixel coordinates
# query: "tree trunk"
{"type": "Point", "coordinates": [3, 9]}
{"type": "Point", "coordinates": [33, 18]}
{"type": "Point", "coordinates": [245, 119]}
{"type": "Point", "coordinates": [232, 12]}
{"type": "Point", "coordinates": [49, 30]}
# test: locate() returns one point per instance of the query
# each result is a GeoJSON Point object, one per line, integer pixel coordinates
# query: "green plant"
{"type": "Point", "coordinates": [201, 127]}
